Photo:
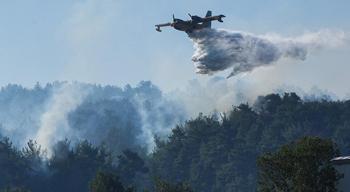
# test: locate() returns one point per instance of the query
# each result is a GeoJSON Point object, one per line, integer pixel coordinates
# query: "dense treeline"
{"type": "Point", "coordinates": [210, 153]}
{"type": "Point", "coordinates": [69, 169]}
{"type": "Point", "coordinates": [219, 154]}
{"type": "Point", "coordinates": [82, 167]}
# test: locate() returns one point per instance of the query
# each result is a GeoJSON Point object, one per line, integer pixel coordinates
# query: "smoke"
{"type": "Point", "coordinates": [158, 117]}
{"type": "Point", "coordinates": [121, 118]}
{"type": "Point", "coordinates": [217, 50]}
{"type": "Point", "coordinates": [219, 94]}
{"type": "Point", "coordinates": [128, 118]}
{"type": "Point", "coordinates": [53, 122]}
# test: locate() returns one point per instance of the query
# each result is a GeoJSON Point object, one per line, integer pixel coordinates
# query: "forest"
{"type": "Point", "coordinates": [142, 139]}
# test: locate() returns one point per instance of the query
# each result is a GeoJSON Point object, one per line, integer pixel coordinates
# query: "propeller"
{"type": "Point", "coordinates": [173, 18]}
{"type": "Point", "coordinates": [190, 15]}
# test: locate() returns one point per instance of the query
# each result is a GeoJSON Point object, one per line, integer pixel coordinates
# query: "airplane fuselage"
{"type": "Point", "coordinates": [187, 26]}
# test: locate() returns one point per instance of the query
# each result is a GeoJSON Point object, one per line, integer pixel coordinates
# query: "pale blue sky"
{"type": "Point", "coordinates": [114, 42]}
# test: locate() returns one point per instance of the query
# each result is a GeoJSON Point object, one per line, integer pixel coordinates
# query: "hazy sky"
{"type": "Point", "coordinates": [114, 42]}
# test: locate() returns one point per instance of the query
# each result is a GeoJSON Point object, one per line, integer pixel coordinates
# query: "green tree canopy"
{"type": "Point", "coordinates": [162, 186]}
{"type": "Point", "coordinates": [303, 165]}
{"type": "Point", "coordinates": [107, 182]}
{"type": "Point", "coordinates": [13, 167]}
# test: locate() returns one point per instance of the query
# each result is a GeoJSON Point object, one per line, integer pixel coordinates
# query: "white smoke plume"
{"type": "Point", "coordinates": [219, 49]}
{"type": "Point", "coordinates": [53, 122]}
{"type": "Point", "coordinates": [220, 95]}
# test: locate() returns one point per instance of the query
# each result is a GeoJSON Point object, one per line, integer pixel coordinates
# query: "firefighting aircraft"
{"type": "Point", "coordinates": [195, 23]}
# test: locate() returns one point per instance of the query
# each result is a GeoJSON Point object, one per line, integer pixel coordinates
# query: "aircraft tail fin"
{"type": "Point", "coordinates": [208, 14]}
{"type": "Point", "coordinates": [207, 24]}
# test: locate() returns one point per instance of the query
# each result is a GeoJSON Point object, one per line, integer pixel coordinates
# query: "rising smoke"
{"type": "Point", "coordinates": [119, 118]}
{"type": "Point", "coordinates": [53, 122]}
{"type": "Point", "coordinates": [217, 50]}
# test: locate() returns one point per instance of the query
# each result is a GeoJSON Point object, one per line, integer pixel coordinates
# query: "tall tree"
{"type": "Point", "coordinates": [131, 167]}
{"type": "Point", "coordinates": [72, 169]}
{"type": "Point", "coordinates": [13, 167]}
{"type": "Point", "coordinates": [303, 165]}
{"type": "Point", "coordinates": [107, 182]}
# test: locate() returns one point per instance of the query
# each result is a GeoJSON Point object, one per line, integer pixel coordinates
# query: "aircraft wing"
{"type": "Point", "coordinates": [162, 25]}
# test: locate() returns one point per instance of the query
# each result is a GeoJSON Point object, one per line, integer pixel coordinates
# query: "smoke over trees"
{"type": "Point", "coordinates": [108, 132]}
{"type": "Point", "coordinates": [119, 117]}
{"type": "Point", "coordinates": [220, 154]}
